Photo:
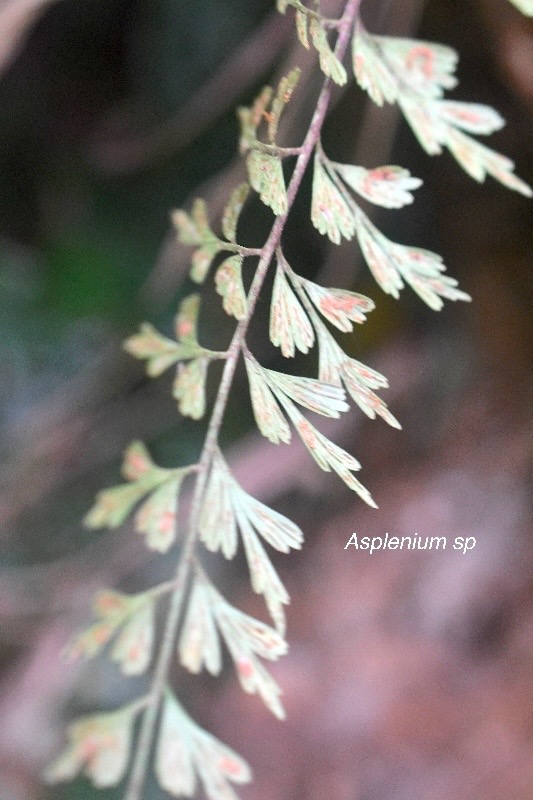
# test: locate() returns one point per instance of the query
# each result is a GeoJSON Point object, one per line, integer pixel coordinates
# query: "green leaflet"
{"type": "Point", "coordinates": [309, 24]}
{"type": "Point", "coordinates": [217, 525]}
{"type": "Point", "coordinates": [371, 71]}
{"type": "Point", "coordinates": [202, 259]}
{"type": "Point", "coordinates": [186, 322]}
{"type": "Point", "coordinates": [232, 212]}
{"type": "Point", "coordinates": [133, 616]}
{"type": "Point", "coordinates": [264, 160]}
{"type": "Point", "coordinates": [264, 578]}
{"type": "Point", "coordinates": [327, 455]}
{"type": "Point", "coordinates": [218, 528]}
{"type": "Point", "coordinates": [290, 328]}
{"type": "Point", "coordinates": [302, 28]}
{"type": "Point", "coordinates": [266, 177]}
{"type": "Point", "coordinates": [228, 282]}
{"type": "Point", "coordinates": [228, 509]}
{"type": "Point", "coordinates": [415, 74]}
{"type": "Point", "coordinates": [186, 755]}
{"type": "Point", "coordinates": [392, 264]}
{"type": "Point", "coordinates": [424, 69]}
{"type": "Point", "coordinates": [525, 6]}
{"type": "Point", "coordinates": [285, 90]}
{"type": "Point", "coordinates": [340, 307]}
{"type": "Point", "coordinates": [339, 369]}
{"type": "Point", "coordinates": [329, 63]}
{"type": "Point", "coordinates": [199, 642]}
{"type": "Point", "coordinates": [317, 396]}
{"type": "Point", "coordinates": [113, 506]}
{"type": "Point", "coordinates": [161, 353]}
{"type": "Point", "coordinates": [245, 637]}
{"type": "Point", "coordinates": [389, 186]}
{"type": "Point", "coordinates": [158, 351]}
{"type": "Point", "coordinates": [156, 519]}
{"type": "Point", "coordinates": [99, 746]}
{"type": "Point", "coordinates": [267, 413]}
{"type": "Point", "coordinates": [189, 387]}
{"type": "Point", "coordinates": [134, 645]}
{"type": "Point", "coordinates": [195, 230]}
{"type": "Point", "coordinates": [330, 210]}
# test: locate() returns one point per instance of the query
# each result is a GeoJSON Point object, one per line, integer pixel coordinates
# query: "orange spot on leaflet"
{"type": "Point", "coordinates": [381, 174]}
{"type": "Point", "coordinates": [230, 766]}
{"type": "Point", "coordinates": [138, 463]}
{"type": "Point", "coordinates": [166, 523]}
{"type": "Point", "coordinates": [466, 114]}
{"type": "Point", "coordinates": [332, 304]}
{"type": "Point", "coordinates": [102, 634]}
{"type": "Point", "coordinates": [107, 502]}
{"type": "Point", "coordinates": [94, 744]}
{"type": "Point", "coordinates": [135, 465]}
{"type": "Point", "coordinates": [424, 56]}
{"type": "Point", "coordinates": [307, 433]}
{"type": "Point", "coordinates": [107, 603]}
{"type": "Point", "coordinates": [185, 328]}
{"type": "Point", "coordinates": [245, 667]}
{"type": "Point", "coordinates": [134, 653]}
{"type": "Point", "coordinates": [89, 748]}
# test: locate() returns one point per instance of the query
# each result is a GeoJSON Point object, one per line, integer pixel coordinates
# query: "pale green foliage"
{"type": "Point", "coordinates": [160, 353]}
{"type": "Point", "coordinates": [268, 416]}
{"type": "Point", "coordinates": [156, 518]}
{"type": "Point", "coordinates": [338, 306]}
{"type": "Point", "coordinates": [195, 230]}
{"type": "Point", "coordinates": [389, 186]}
{"type": "Point", "coordinates": [266, 177]}
{"type": "Point", "coordinates": [133, 616]}
{"type": "Point", "coordinates": [290, 328]}
{"type": "Point", "coordinates": [227, 510]}
{"type": "Point", "coordinates": [415, 74]}
{"type": "Point", "coordinates": [228, 281]}
{"type": "Point", "coordinates": [329, 63]}
{"type": "Point", "coordinates": [525, 6]}
{"type": "Point", "coordinates": [330, 209]}
{"type": "Point", "coordinates": [335, 213]}
{"type": "Point", "coordinates": [224, 515]}
{"type": "Point", "coordinates": [391, 264]}
{"type": "Point", "coordinates": [309, 26]}
{"type": "Point", "coordinates": [232, 212]}
{"type": "Point", "coordinates": [189, 388]}
{"type": "Point", "coordinates": [263, 161]}
{"type": "Point", "coordinates": [99, 746]}
{"type": "Point", "coordinates": [186, 755]}
{"type": "Point", "coordinates": [285, 90]}
{"type": "Point", "coordinates": [209, 615]}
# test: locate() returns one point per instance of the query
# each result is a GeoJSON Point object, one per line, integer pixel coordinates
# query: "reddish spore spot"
{"type": "Point", "coordinates": [245, 667]}
{"type": "Point", "coordinates": [422, 57]}
{"type": "Point", "coordinates": [230, 766]}
{"type": "Point", "coordinates": [166, 523]}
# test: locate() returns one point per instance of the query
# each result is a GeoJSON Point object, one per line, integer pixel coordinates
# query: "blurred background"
{"type": "Point", "coordinates": [409, 675]}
